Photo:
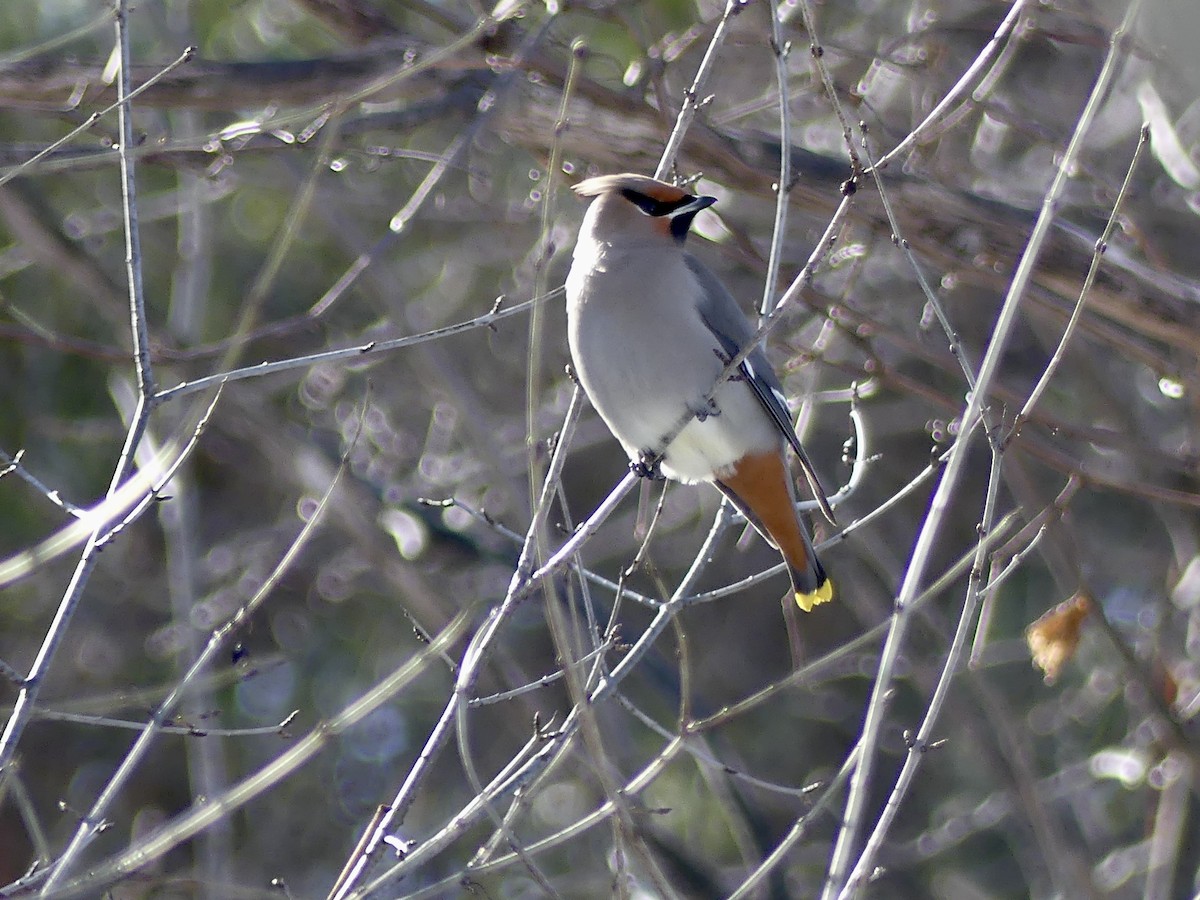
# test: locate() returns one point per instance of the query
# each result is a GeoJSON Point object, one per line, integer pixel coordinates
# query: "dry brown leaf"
{"type": "Point", "coordinates": [1053, 638]}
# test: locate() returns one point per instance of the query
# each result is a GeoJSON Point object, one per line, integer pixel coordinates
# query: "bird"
{"type": "Point", "coordinates": [650, 331]}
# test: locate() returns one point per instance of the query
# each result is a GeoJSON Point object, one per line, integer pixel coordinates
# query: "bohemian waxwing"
{"type": "Point", "coordinates": [650, 330]}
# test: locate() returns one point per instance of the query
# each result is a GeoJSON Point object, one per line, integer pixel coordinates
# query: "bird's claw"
{"type": "Point", "coordinates": [647, 466]}
{"type": "Point", "coordinates": [709, 409]}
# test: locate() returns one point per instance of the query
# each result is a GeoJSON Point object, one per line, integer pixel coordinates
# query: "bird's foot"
{"type": "Point", "coordinates": [705, 411]}
{"type": "Point", "coordinates": [647, 466]}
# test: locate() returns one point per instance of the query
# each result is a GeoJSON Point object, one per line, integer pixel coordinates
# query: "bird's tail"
{"type": "Point", "coordinates": [761, 488]}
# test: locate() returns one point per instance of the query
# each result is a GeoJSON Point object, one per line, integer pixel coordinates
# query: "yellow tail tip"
{"type": "Point", "coordinates": [823, 594]}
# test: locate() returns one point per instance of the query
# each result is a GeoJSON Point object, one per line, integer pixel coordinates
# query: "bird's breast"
{"type": "Point", "coordinates": [645, 358]}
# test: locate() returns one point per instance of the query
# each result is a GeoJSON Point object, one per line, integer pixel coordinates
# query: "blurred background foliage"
{"type": "Point", "coordinates": [267, 171]}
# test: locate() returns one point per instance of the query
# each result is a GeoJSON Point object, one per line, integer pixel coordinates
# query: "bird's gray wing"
{"type": "Point", "coordinates": [732, 330]}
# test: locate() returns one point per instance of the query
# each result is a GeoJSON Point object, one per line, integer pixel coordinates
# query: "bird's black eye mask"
{"type": "Point", "coordinates": [652, 207]}
{"type": "Point", "coordinates": [680, 212]}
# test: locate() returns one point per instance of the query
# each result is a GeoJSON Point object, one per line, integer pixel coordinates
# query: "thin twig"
{"type": "Point", "coordinates": [533, 369]}
{"type": "Point", "coordinates": [256, 297]}
{"type": "Point", "coordinates": [534, 685]}
{"type": "Point", "coordinates": [121, 103]}
{"type": "Point", "coordinates": [187, 730]}
{"type": "Point", "coordinates": [783, 187]}
{"type": "Point", "coordinates": [577, 688]}
{"type": "Point", "coordinates": [14, 782]}
{"type": "Point", "coordinates": [818, 63]}
{"type": "Point", "coordinates": [1008, 557]}
{"type": "Point", "coordinates": [1101, 246]}
{"type": "Point", "coordinates": [618, 588]}
{"type": "Point", "coordinates": [13, 464]}
{"type": "Point", "coordinates": [952, 96]}
{"type": "Point", "coordinates": [799, 828]}
{"type": "Point", "coordinates": [692, 100]}
{"type": "Point", "coordinates": [100, 523]}
{"type": "Point", "coordinates": [496, 314]}
{"type": "Point", "coordinates": [705, 758]}
{"type": "Point", "coordinates": [931, 298]}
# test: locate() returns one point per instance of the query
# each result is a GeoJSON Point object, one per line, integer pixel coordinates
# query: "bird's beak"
{"type": "Point", "coordinates": [693, 206]}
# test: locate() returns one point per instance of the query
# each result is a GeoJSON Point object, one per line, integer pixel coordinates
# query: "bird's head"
{"type": "Point", "coordinates": [639, 208]}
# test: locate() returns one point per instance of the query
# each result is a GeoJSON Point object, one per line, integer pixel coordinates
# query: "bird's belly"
{"type": "Point", "coordinates": [707, 450]}
{"type": "Point", "coordinates": [662, 371]}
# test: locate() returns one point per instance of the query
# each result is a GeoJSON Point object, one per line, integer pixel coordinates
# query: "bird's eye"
{"type": "Point", "coordinates": [648, 205]}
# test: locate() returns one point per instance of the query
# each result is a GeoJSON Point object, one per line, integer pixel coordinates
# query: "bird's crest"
{"type": "Point", "coordinates": [641, 184]}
